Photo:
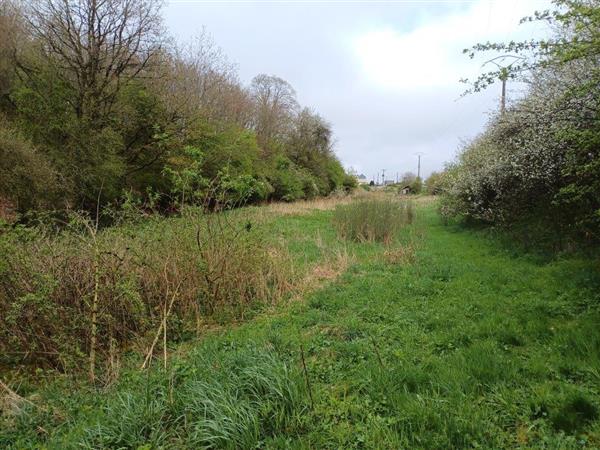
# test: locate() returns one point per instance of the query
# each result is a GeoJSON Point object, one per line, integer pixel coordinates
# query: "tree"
{"type": "Point", "coordinates": [95, 95]}
{"type": "Point", "coordinates": [309, 145]}
{"type": "Point", "coordinates": [198, 82]}
{"type": "Point", "coordinates": [84, 61]}
{"type": "Point", "coordinates": [576, 25]}
{"type": "Point", "coordinates": [275, 105]}
{"type": "Point", "coordinates": [96, 48]}
{"type": "Point", "coordinates": [26, 178]}
{"type": "Point", "coordinates": [540, 161]}
{"type": "Point", "coordinates": [433, 183]}
{"type": "Point", "coordinates": [11, 34]}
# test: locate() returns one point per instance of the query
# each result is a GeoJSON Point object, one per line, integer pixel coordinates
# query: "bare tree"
{"type": "Point", "coordinates": [275, 102]}
{"type": "Point", "coordinates": [96, 46]}
{"type": "Point", "coordinates": [10, 37]}
{"type": "Point", "coordinates": [408, 178]}
{"type": "Point", "coordinates": [199, 81]}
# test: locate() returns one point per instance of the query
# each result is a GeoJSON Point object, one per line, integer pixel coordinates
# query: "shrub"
{"type": "Point", "coordinates": [536, 169]}
{"type": "Point", "coordinates": [434, 183]}
{"type": "Point", "coordinates": [88, 292]}
{"type": "Point", "coordinates": [26, 176]}
{"type": "Point", "coordinates": [372, 220]}
{"type": "Point", "coordinates": [286, 181]}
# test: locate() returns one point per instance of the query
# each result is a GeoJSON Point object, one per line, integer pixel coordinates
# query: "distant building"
{"type": "Point", "coordinates": [362, 179]}
{"type": "Point", "coordinates": [388, 182]}
{"type": "Point", "coordinates": [405, 190]}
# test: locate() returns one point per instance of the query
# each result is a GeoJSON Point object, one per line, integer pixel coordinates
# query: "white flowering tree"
{"type": "Point", "coordinates": [538, 162]}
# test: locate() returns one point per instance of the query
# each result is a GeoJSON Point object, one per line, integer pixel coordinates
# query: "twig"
{"type": "Point", "coordinates": [377, 353]}
{"type": "Point", "coordinates": [13, 396]}
{"type": "Point", "coordinates": [165, 336]}
{"type": "Point", "coordinates": [308, 386]}
{"type": "Point", "coordinates": [160, 328]}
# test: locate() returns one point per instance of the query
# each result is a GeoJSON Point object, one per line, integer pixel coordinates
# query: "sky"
{"type": "Point", "coordinates": [385, 74]}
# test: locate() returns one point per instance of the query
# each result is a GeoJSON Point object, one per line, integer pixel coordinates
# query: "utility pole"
{"type": "Point", "coordinates": [419, 154]}
{"type": "Point", "coordinates": [396, 177]}
{"type": "Point", "coordinates": [503, 77]}
{"type": "Point", "coordinates": [383, 176]}
{"type": "Point", "coordinates": [503, 73]}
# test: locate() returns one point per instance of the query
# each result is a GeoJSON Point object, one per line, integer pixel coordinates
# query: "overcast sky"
{"type": "Point", "coordinates": [384, 74]}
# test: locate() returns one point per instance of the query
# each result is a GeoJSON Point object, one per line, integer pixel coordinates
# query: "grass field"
{"type": "Point", "coordinates": [442, 339]}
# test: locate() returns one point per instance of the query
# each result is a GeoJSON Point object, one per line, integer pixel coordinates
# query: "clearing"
{"type": "Point", "coordinates": [445, 339]}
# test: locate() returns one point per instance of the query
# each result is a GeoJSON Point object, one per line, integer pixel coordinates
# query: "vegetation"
{"type": "Point", "coordinates": [465, 344]}
{"type": "Point", "coordinates": [535, 170]}
{"type": "Point", "coordinates": [434, 183]}
{"type": "Point", "coordinates": [97, 104]}
{"type": "Point", "coordinates": [324, 320]}
{"type": "Point", "coordinates": [97, 292]}
{"type": "Point", "coordinates": [372, 220]}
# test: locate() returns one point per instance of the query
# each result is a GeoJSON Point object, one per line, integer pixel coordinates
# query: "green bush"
{"type": "Point", "coordinates": [372, 220]}
{"type": "Point", "coordinates": [27, 178]}
{"type": "Point", "coordinates": [286, 181]}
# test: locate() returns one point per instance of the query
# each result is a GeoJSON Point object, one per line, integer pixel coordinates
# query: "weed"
{"type": "Point", "coordinates": [372, 220]}
{"type": "Point", "coordinates": [74, 294]}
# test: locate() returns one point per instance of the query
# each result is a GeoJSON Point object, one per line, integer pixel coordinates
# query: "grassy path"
{"type": "Point", "coordinates": [461, 346]}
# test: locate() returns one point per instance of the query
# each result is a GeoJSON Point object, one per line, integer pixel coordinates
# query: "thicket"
{"type": "Point", "coordinates": [90, 294]}
{"type": "Point", "coordinates": [535, 170]}
{"type": "Point", "coordinates": [98, 103]}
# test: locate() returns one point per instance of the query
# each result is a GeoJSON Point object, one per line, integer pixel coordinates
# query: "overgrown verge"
{"type": "Point", "coordinates": [89, 295]}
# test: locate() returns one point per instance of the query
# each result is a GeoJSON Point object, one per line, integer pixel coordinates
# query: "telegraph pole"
{"type": "Point", "coordinates": [419, 154]}
{"type": "Point", "coordinates": [503, 73]}
{"type": "Point", "coordinates": [503, 77]}
{"type": "Point", "coordinates": [383, 176]}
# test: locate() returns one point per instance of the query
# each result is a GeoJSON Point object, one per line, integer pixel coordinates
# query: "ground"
{"type": "Point", "coordinates": [445, 339]}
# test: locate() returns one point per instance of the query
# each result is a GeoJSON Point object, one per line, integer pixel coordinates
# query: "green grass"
{"type": "Point", "coordinates": [469, 346]}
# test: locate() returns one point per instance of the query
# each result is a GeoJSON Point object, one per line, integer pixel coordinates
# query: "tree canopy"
{"type": "Point", "coordinates": [98, 100]}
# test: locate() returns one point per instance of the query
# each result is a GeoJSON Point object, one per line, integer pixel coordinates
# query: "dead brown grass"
{"type": "Point", "coordinates": [306, 206]}
{"type": "Point", "coordinates": [403, 255]}
{"type": "Point", "coordinates": [325, 271]}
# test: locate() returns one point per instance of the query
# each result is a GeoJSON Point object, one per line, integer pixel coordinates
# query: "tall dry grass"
{"type": "Point", "coordinates": [373, 219]}
{"type": "Point", "coordinates": [91, 295]}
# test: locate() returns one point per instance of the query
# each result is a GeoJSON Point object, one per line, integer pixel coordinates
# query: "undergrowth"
{"type": "Point", "coordinates": [89, 293]}
{"type": "Point", "coordinates": [441, 339]}
{"type": "Point", "coordinates": [372, 220]}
